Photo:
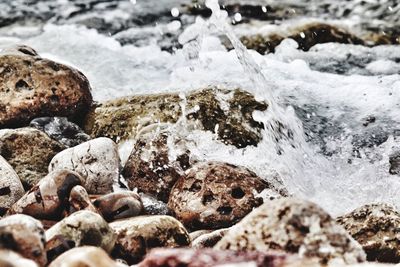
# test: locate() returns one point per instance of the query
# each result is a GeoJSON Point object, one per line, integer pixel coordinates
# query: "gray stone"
{"type": "Point", "coordinates": [11, 188]}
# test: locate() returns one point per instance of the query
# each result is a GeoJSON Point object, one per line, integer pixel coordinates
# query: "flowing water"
{"type": "Point", "coordinates": [330, 150]}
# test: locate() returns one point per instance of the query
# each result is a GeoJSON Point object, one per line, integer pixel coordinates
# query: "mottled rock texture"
{"type": "Point", "coordinates": [11, 188]}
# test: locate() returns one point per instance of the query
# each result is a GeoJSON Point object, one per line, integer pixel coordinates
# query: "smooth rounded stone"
{"type": "Point", "coordinates": [11, 188]}
{"type": "Point", "coordinates": [211, 258]}
{"type": "Point", "coordinates": [214, 195]}
{"type": "Point", "coordinates": [61, 130]}
{"type": "Point", "coordinates": [29, 151]}
{"type": "Point", "coordinates": [227, 113]}
{"type": "Point", "coordinates": [24, 235]}
{"type": "Point", "coordinates": [82, 228]}
{"type": "Point", "coordinates": [294, 226]}
{"type": "Point", "coordinates": [195, 234]}
{"type": "Point", "coordinates": [9, 258]}
{"type": "Point", "coordinates": [84, 257]}
{"type": "Point", "coordinates": [49, 198]}
{"type": "Point", "coordinates": [119, 205]}
{"type": "Point", "coordinates": [79, 200]}
{"type": "Point", "coordinates": [138, 235]}
{"type": "Point", "coordinates": [394, 161]}
{"type": "Point", "coordinates": [209, 240]}
{"type": "Point", "coordinates": [96, 160]}
{"type": "Point", "coordinates": [19, 50]}
{"type": "Point", "coordinates": [376, 228]}
{"type": "Point", "coordinates": [149, 167]}
{"type": "Point", "coordinates": [152, 206]}
{"type": "Point", "coordinates": [32, 87]}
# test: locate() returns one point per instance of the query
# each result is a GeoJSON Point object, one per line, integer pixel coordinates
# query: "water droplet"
{"type": "Point", "coordinates": [264, 9]}
{"type": "Point", "coordinates": [302, 35]}
{"type": "Point", "coordinates": [175, 12]}
{"type": "Point", "coordinates": [237, 17]}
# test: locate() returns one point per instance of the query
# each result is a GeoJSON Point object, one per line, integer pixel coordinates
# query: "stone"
{"type": "Point", "coordinates": [294, 226]}
{"type": "Point", "coordinates": [84, 257]}
{"type": "Point", "coordinates": [32, 87]}
{"type": "Point", "coordinates": [61, 129]}
{"type": "Point", "coordinates": [9, 258]}
{"type": "Point", "coordinates": [119, 205]}
{"type": "Point", "coordinates": [376, 228]}
{"type": "Point", "coordinates": [394, 161]}
{"type": "Point", "coordinates": [215, 195]}
{"type": "Point", "coordinates": [79, 200]}
{"type": "Point", "coordinates": [209, 240]}
{"type": "Point", "coordinates": [227, 113]}
{"type": "Point", "coordinates": [29, 151]}
{"type": "Point", "coordinates": [24, 235]}
{"type": "Point", "coordinates": [96, 160]}
{"type": "Point", "coordinates": [82, 228]}
{"type": "Point", "coordinates": [138, 235]}
{"type": "Point", "coordinates": [11, 188]}
{"type": "Point", "coordinates": [152, 206]}
{"type": "Point", "coordinates": [49, 198]}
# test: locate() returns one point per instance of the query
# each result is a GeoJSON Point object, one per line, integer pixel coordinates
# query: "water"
{"type": "Point", "coordinates": [322, 98]}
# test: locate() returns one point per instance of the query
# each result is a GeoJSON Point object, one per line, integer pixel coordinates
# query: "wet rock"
{"type": "Point", "coordinates": [84, 257]}
{"type": "Point", "coordinates": [215, 195]}
{"type": "Point", "coordinates": [49, 198]}
{"type": "Point", "coordinates": [294, 226]}
{"type": "Point", "coordinates": [61, 130]}
{"type": "Point", "coordinates": [96, 160]}
{"type": "Point", "coordinates": [138, 235]}
{"type": "Point", "coordinates": [24, 235]}
{"type": "Point", "coordinates": [209, 240]}
{"type": "Point", "coordinates": [228, 113]}
{"type": "Point", "coordinates": [9, 258]}
{"type": "Point", "coordinates": [394, 161]}
{"type": "Point", "coordinates": [29, 151]}
{"type": "Point", "coordinates": [11, 188]}
{"type": "Point", "coordinates": [152, 206]}
{"type": "Point", "coordinates": [119, 205]}
{"type": "Point", "coordinates": [376, 228]}
{"type": "Point", "coordinates": [33, 87]}
{"type": "Point", "coordinates": [82, 228]}
{"type": "Point", "coordinates": [306, 36]}
{"type": "Point", "coordinates": [80, 200]}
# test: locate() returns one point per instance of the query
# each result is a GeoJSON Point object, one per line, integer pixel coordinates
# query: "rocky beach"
{"type": "Point", "coordinates": [177, 133]}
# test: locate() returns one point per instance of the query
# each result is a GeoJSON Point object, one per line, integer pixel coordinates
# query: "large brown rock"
{"type": "Point", "coordinates": [11, 188]}
{"type": "Point", "coordinates": [377, 228]}
{"type": "Point", "coordinates": [294, 226]}
{"type": "Point", "coordinates": [215, 195]}
{"type": "Point", "coordinates": [29, 151]}
{"type": "Point", "coordinates": [138, 235]}
{"type": "Point", "coordinates": [31, 87]}
{"type": "Point", "coordinates": [228, 113]}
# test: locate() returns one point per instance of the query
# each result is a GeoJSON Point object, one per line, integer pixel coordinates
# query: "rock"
{"type": "Point", "coordinates": [24, 235]}
{"type": "Point", "coordinates": [119, 205]}
{"type": "Point", "coordinates": [9, 258]}
{"type": "Point", "coordinates": [149, 167]}
{"type": "Point", "coordinates": [60, 129]}
{"type": "Point", "coordinates": [198, 233]}
{"type": "Point", "coordinates": [376, 228]}
{"type": "Point", "coordinates": [29, 151]}
{"type": "Point", "coordinates": [80, 200]}
{"type": "Point", "coordinates": [228, 113]}
{"type": "Point", "coordinates": [11, 188]}
{"type": "Point", "coordinates": [152, 206]}
{"type": "Point", "coordinates": [209, 240]}
{"type": "Point", "coordinates": [394, 161]}
{"type": "Point", "coordinates": [96, 160]}
{"type": "Point", "coordinates": [32, 87]}
{"type": "Point", "coordinates": [306, 36]}
{"type": "Point", "coordinates": [139, 234]}
{"type": "Point", "coordinates": [82, 228]}
{"type": "Point", "coordinates": [49, 198]}
{"type": "Point", "coordinates": [84, 257]}
{"type": "Point", "coordinates": [294, 226]}
{"type": "Point", "coordinates": [215, 195]}
{"type": "Point", "coordinates": [210, 258]}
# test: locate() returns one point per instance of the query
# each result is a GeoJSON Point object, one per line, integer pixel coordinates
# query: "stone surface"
{"type": "Point", "coordinates": [228, 113]}
{"type": "Point", "coordinates": [119, 205]}
{"type": "Point", "coordinates": [31, 87]}
{"type": "Point", "coordinates": [394, 161]}
{"type": "Point", "coordinates": [84, 257]}
{"type": "Point", "coordinates": [80, 200]}
{"type": "Point", "coordinates": [294, 226]}
{"type": "Point", "coordinates": [96, 160]}
{"type": "Point", "coordinates": [9, 258]}
{"type": "Point", "coordinates": [209, 240]}
{"type": "Point", "coordinates": [61, 130]}
{"type": "Point", "coordinates": [215, 195]}
{"type": "Point", "coordinates": [29, 151]}
{"type": "Point", "coordinates": [24, 235]}
{"type": "Point", "coordinates": [152, 206]}
{"type": "Point", "coordinates": [82, 228]}
{"type": "Point", "coordinates": [138, 235]}
{"type": "Point", "coordinates": [49, 198]}
{"type": "Point", "coordinates": [377, 228]}
{"type": "Point", "coordinates": [11, 188]}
